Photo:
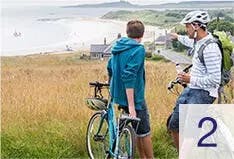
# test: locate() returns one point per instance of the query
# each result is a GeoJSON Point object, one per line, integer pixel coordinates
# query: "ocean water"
{"type": "Point", "coordinates": [40, 29]}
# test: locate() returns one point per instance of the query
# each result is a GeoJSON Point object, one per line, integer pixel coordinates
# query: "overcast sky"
{"type": "Point", "coordinates": [66, 2]}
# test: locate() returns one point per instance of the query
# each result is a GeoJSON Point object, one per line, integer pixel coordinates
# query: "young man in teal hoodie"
{"type": "Point", "coordinates": [127, 82]}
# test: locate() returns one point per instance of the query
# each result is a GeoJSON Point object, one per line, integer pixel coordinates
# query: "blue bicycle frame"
{"type": "Point", "coordinates": [113, 131]}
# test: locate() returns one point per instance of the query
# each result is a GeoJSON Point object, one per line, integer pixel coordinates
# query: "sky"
{"type": "Point", "coordinates": [75, 2]}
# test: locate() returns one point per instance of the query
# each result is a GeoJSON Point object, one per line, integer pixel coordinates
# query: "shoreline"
{"type": "Point", "coordinates": [77, 45]}
{"type": "Point", "coordinates": [47, 53]}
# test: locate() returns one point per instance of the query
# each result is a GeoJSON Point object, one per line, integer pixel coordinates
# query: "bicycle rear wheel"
{"type": "Point", "coordinates": [97, 137]}
{"type": "Point", "coordinates": [126, 147]}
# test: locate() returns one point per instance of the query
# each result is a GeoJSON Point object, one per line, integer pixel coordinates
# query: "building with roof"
{"type": "Point", "coordinates": [102, 51]}
{"type": "Point", "coordinates": [164, 40]}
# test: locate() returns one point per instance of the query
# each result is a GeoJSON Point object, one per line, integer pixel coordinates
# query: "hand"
{"type": "Point", "coordinates": [184, 77]}
{"type": "Point", "coordinates": [173, 36]}
{"type": "Point", "coordinates": [132, 112]}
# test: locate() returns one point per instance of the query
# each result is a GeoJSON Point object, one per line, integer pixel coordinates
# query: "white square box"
{"type": "Point", "coordinates": [206, 131]}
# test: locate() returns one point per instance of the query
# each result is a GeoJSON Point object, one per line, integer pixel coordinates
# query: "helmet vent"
{"type": "Point", "coordinates": [188, 18]}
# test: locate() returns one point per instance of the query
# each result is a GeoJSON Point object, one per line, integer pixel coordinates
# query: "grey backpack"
{"type": "Point", "coordinates": [225, 73]}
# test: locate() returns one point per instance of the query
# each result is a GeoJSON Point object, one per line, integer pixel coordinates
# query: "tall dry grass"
{"type": "Point", "coordinates": [43, 105]}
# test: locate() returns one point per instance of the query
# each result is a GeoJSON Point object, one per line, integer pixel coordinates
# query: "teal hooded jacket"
{"type": "Point", "coordinates": [126, 70]}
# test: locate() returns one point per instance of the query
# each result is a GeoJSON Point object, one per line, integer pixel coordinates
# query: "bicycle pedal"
{"type": "Point", "coordinates": [98, 138]}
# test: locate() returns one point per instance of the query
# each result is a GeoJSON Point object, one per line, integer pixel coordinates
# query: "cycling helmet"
{"type": "Point", "coordinates": [96, 103]}
{"type": "Point", "coordinates": [196, 16]}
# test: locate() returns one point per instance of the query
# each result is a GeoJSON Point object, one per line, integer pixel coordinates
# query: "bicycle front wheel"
{"type": "Point", "coordinates": [126, 147]}
{"type": "Point", "coordinates": [97, 137]}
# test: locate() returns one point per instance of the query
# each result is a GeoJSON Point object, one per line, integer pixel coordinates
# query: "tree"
{"type": "Point", "coordinates": [221, 25]}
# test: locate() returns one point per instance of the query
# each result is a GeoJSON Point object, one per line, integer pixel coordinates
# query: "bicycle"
{"type": "Point", "coordinates": [107, 136]}
{"type": "Point", "coordinates": [222, 96]}
{"type": "Point", "coordinates": [222, 134]}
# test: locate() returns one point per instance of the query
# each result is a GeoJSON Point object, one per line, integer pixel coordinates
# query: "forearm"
{"type": "Point", "coordinates": [130, 97]}
{"type": "Point", "coordinates": [185, 40]}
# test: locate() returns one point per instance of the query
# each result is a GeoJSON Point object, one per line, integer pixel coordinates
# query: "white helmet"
{"type": "Point", "coordinates": [96, 103]}
{"type": "Point", "coordinates": [196, 16]}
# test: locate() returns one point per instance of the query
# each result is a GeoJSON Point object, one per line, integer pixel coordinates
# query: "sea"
{"type": "Point", "coordinates": [32, 29]}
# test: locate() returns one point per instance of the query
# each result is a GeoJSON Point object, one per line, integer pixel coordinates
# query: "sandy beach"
{"type": "Point", "coordinates": [94, 30]}
{"type": "Point", "coordinates": [80, 34]}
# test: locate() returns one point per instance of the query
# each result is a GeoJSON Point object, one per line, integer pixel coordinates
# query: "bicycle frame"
{"type": "Point", "coordinates": [114, 129]}
{"type": "Point", "coordinates": [113, 126]}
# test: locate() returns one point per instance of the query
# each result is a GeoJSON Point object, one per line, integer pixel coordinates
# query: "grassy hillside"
{"type": "Point", "coordinates": [167, 18]}
{"type": "Point", "coordinates": [150, 17]}
{"type": "Point", "coordinates": [43, 105]}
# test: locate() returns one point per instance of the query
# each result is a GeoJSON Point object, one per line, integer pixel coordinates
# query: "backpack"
{"type": "Point", "coordinates": [226, 46]}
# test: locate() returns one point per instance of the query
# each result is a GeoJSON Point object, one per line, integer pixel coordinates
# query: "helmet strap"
{"type": "Point", "coordinates": [195, 31]}
{"type": "Point", "coordinates": [194, 36]}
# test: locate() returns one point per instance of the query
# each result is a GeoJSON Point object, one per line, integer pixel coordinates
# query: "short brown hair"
{"type": "Point", "coordinates": [135, 29]}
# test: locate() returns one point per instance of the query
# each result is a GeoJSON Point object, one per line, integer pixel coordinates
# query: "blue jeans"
{"type": "Point", "coordinates": [189, 96]}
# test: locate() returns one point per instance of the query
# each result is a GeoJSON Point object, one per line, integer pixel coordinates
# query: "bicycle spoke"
{"type": "Point", "coordinates": [97, 137]}
{"type": "Point", "coordinates": [126, 143]}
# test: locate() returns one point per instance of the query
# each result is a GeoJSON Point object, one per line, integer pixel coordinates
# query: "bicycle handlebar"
{"type": "Point", "coordinates": [129, 118]}
{"type": "Point", "coordinates": [186, 69]}
{"type": "Point", "coordinates": [177, 80]}
{"type": "Point", "coordinates": [98, 84]}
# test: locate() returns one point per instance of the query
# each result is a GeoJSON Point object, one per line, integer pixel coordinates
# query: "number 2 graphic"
{"type": "Point", "coordinates": [200, 142]}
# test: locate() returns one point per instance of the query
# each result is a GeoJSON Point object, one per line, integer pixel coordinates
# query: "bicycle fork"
{"type": "Point", "coordinates": [98, 137]}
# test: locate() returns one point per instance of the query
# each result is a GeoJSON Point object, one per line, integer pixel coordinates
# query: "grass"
{"type": "Point", "coordinates": [149, 17]}
{"type": "Point", "coordinates": [156, 57]}
{"type": "Point", "coordinates": [39, 140]}
{"type": "Point", "coordinates": [163, 19]}
{"type": "Point", "coordinates": [43, 105]}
